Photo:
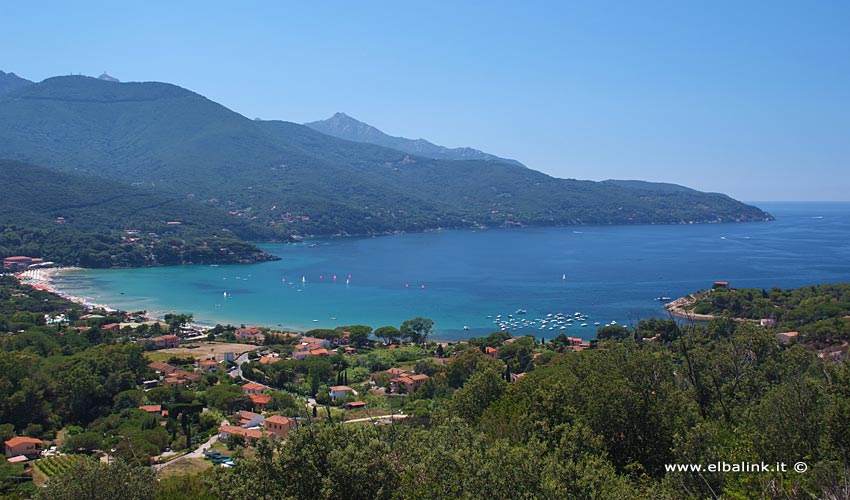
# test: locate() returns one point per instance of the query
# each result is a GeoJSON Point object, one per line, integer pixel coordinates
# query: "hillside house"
{"type": "Point", "coordinates": [225, 431]}
{"type": "Point", "coordinates": [339, 392]}
{"type": "Point", "coordinates": [279, 426]}
{"type": "Point", "coordinates": [164, 341]}
{"type": "Point", "coordinates": [26, 446]}
{"type": "Point", "coordinates": [254, 388]}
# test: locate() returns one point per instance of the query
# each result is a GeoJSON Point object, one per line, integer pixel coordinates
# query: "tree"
{"type": "Point", "coordinates": [417, 329]}
{"type": "Point", "coordinates": [389, 334]}
{"type": "Point", "coordinates": [359, 334]}
{"type": "Point", "coordinates": [470, 401]}
{"type": "Point", "coordinates": [176, 321]}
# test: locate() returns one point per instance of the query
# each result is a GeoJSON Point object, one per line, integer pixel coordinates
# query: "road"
{"type": "Point", "coordinates": [394, 417]}
{"type": "Point", "coordinates": [198, 453]}
{"type": "Point", "coordinates": [237, 373]}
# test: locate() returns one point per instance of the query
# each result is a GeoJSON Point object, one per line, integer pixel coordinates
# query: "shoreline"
{"type": "Point", "coordinates": [43, 279]}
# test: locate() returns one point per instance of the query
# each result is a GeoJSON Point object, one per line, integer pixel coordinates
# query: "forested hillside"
{"type": "Point", "coordinates": [77, 220]}
{"type": "Point", "coordinates": [162, 137]}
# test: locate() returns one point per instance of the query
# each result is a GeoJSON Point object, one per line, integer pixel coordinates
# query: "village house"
{"type": "Point", "coordinates": [252, 334]}
{"type": "Point", "coordinates": [353, 405]}
{"type": "Point", "coordinates": [767, 322]}
{"type": "Point", "coordinates": [26, 446]}
{"type": "Point", "coordinates": [339, 392]}
{"type": "Point", "coordinates": [271, 358]}
{"type": "Point", "coordinates": [279, 426]}
{"type": "Point", "coordinates": [260, 401]}
{"type": "Point", "coordinates": [254, 388]}
{"type": "Point", "coordinates": [162, 368]}
{"type": "Point", "coordinates": [246, 419]}
{"type": "Point", "coordinates": [397, 372]}
{"type": "Point", "coordinates": [207, 366]}
{"type": "Point", "coordinates": [225, 431]}
{"type": "Point", "coordinates": [171, 382]}
{"type": "Point", "coordinates": [164, 341]}
{"type": "Point", "coordinates": [111, 327]}
{"type": "Point", "coordinates": [152, 409]}
{"type": "Point", "coordinates": [491, 351]}
{"type": "Point", "coordinates": [408, 383]}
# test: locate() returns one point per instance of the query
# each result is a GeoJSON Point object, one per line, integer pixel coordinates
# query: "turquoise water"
{"type": "Point", "coordinates": [457, 278]}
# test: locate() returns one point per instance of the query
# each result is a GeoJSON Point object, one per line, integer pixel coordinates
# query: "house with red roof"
{"type": "Point", "coordinates": [254, 388]}
{"type": "Point", "coordinates": [408, 383]}
{"type": "Point", "coordinates": [260, 401]}
{"type": "Point", "coordinates": [207, 366]}
{"type": "Point", "coordinates": [225, 431]}
{"type": "Point", "coordinates": [339, 392]}
{"type": "Point", "coordinates": [26, 446]}
{"type": "Point", "coordinates": [279, 426]}
{"type": "Point", "coordinates": [165, 341]}
{"type": "Point", "coordinates": [247, 419]}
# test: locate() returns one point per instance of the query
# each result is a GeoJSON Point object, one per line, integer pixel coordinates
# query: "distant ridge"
{"type": "Point", "coordinates": [294, 180]}
{"type": "Point", "coordinates": [345, 127]}
{"type": "Point", "coordinates": [107, 78]}
{"type": "Point", "coordinates": [10, 82]}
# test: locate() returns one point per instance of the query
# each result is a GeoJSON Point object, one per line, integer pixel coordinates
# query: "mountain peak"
{"type": "Point", "coordinates": [345, 127]}
{"type": "Point", "coordinates": [10, 82]}
{"type": "Point", "coordinates": [107, 78]}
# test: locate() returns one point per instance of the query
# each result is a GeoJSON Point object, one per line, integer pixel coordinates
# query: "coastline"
{"type": "Point", "coordinates": [678, 309]}
{"type": "Point", "coordinates": [43, 279]}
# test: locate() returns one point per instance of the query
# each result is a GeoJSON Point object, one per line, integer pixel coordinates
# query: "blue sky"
{"type": "Point", "coordinates": [747, 98]}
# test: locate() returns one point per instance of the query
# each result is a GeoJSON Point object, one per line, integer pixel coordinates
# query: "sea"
{"type": "Point", "coordinates": [475, 282]}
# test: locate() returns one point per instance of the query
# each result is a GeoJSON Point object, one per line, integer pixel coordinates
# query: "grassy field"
{"type": "Point", "coordinates": [200, 350]}
{"type": "Point", "coordinates": [186, 467]}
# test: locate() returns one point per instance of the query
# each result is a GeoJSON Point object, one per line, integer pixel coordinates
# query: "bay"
{"type": "Point", "coordinates": [458, 278]}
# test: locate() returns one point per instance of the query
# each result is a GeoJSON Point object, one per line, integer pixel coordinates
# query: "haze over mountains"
{"type": "Point", "coordinates": [293, 179]}
{"type": "Point", "coordinates": [345, 127]}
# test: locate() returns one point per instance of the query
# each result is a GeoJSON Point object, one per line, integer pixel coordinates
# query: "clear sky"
{"type": "Point", "coordinates": [747, 98]}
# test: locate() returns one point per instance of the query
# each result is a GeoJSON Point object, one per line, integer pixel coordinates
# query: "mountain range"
{"type": "Point", "coordinates": [342, 126]}
{"type": "Point", "coordinates": [293, 180]}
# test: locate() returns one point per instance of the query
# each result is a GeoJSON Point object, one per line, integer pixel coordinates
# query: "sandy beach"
{"type": "Point", "coordinates": [42, 279]}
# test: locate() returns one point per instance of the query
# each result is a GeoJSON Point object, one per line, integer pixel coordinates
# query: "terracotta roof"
{"type": "Point", "coordinates": [280, 419]}
{"type": "Point", "coordinates": [319, 352]}
{"type": "Point", "coordinates": [253, 386]}
{"type": "Point", "coordinates": [419, 376]}
{"type": "Point", "coordinates": [355, 404]}
{"type": "Point", "coordinates": [260, 399]}
{"type": "Point", "coordinates": [248, 433]}
{"type": "Point", "coordinates": [17, 440]}
{"type": "Point", "coordinates": [208, 362]}
{"type": "Point", "coordinates": [151, 408]}
{"type": "Point", "coordinates": [340, 388]}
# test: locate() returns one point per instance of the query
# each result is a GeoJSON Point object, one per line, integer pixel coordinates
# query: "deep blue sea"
{"type": "Point", "coordinates": [458, 278]}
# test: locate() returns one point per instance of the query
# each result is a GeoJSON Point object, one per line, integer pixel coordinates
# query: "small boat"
{"type": "Point", "coordinates": [465, 327]}
{"type": "Point", "coordinates": [521, 311]}
{"type": "Point", "coordinates": [564, 277]}
{"type": "Point", "coordinates": [662, 298]}
{"type": "Point", "coordinates": [597, 324]}
{"type": "Point", "coordinates": [303, 279]}
{"type": "Point", "coordinates": [315, 321]}
{"type": "Point", "coordinates": [584, 324]}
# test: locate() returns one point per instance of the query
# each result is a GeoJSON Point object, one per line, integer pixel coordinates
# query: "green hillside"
{"type": "Point", "coordinates": [288, 176]}
{"type": "Point", "coordinates": [79, 220]}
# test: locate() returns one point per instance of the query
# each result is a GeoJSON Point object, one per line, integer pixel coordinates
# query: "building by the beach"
{"type": "Point", "coordinates": [20, 262]}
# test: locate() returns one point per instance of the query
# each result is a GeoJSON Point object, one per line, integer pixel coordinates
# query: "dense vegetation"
{"type": "Point", "coordinates": [162, 137]}
{"type": "Point", "coordinates": [76, 220]}
{"type": "Point", "coordinates": [821, 313]}
{"type": "Point", "coordinates": [534, 420]}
